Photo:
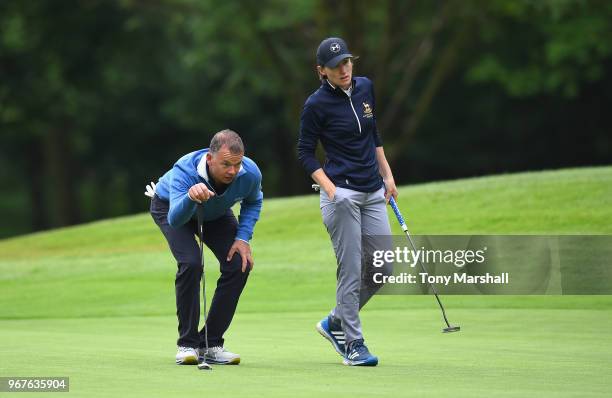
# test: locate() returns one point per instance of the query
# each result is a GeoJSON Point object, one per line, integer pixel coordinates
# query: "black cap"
{"type": "Point", "coordinates": [331, 51]}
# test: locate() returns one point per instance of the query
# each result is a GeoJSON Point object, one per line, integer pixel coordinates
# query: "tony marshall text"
{"type": "Point", "coordinates": [455, 278]}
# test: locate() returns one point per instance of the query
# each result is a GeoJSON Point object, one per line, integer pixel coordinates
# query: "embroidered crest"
{"type": "Point", "coordinates": [367, 110]}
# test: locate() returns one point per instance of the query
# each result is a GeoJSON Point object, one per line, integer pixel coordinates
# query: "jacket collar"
{"type": "Point", "coordinates": [330, 87]}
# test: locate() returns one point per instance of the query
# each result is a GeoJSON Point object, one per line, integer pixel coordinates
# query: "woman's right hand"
{"type": "Point", "coordinates": [325, 184]}
{"type": "Point", "coordinates": [330, 190]}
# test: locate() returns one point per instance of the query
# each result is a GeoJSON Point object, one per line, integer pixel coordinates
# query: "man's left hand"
{"type": "Point", "coordinates": [391, 190]}
{"type": "Point", "coordinates": [244, 250]}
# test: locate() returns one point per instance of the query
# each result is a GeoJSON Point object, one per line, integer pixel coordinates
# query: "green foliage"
{"type": "Point", "coordinates": [550, 47]}
{"type": "Point", "coordinates": [97, 98]}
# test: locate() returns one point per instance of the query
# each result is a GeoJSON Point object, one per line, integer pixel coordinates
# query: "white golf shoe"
{"type": "Point", "coordinates": [219, 356]}
{"type": "Point", "coordinates": [186, 356]}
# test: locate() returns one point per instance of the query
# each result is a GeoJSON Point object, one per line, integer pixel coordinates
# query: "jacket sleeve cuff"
{"type": "Point", "coordinates": [311, 165]}
{"type": "Point", "coordinates": [181, 212]}
{"type": "Point", "coordinates": [244, 236]}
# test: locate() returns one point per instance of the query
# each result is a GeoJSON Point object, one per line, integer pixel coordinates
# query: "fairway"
{"type": "Point", "coordinates": [96, 303]}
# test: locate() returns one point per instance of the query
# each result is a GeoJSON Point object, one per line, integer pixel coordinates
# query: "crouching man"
{"type": "Point", "coordinates": [214, 178]}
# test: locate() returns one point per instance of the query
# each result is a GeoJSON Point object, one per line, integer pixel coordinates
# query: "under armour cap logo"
{"type": "Point", "coordinates": [335, 47]}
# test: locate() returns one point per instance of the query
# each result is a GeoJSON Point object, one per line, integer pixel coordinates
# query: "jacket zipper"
{"type": "Point", "coordinates": [355, 113]}
{"type": "Point", "coordinates": [350, 102]}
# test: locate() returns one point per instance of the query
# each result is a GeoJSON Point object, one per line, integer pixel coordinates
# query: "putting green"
{"type": "Point", "coordinates": [96, 303]}
{"type": "Point", "coordinates": [499, 352]}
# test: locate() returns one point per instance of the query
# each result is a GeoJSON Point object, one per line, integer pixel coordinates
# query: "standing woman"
{"type": "Point", "coordinates": [340, 114]}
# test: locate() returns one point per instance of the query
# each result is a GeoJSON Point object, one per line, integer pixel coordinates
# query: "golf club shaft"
{"type": "Point", "coordinates": [402, 223]}
{"type": "Point", "coordinates": [200, 213]}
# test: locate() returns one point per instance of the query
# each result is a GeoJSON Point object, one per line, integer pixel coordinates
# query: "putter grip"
{"type": "Point", "coordinates": [396, 210]}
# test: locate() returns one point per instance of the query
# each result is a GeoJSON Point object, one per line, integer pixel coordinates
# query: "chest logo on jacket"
{"type": "Point", "coordinates": [367, 110]}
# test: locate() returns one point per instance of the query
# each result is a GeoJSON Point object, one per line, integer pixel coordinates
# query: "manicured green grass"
{"type": "Point", "coordinates": [96, 303]}
{"type": "Point", "coordinates": [499, 353]}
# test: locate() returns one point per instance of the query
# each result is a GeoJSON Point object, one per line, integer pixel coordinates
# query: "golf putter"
{"type": "Point", "coordinates": [200, 212]}
{"type": "Point", "coordinates": [400, 219]}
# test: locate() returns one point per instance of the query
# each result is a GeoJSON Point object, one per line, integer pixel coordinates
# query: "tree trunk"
{"type": "Point", "coordinates": [59, 174]}
{"type": "Point", "coordinates": [442, 69]}
{"type": "Point", "coordinates": [34, 172]}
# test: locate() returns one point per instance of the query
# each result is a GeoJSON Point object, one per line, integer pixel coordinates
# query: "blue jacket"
{"type": "Point", "coordinates": [346, 127]}
{"type": "Point", "coordinates": [190, 170]}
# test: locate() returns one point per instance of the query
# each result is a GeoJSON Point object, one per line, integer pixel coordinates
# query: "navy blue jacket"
{"type": "Point", "coordinates": [346, 127]}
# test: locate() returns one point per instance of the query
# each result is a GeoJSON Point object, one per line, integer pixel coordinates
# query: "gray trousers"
{"type": "Point", "coordinates": [348, 218]}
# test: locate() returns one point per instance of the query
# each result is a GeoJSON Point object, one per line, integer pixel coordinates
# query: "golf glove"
{"type": "Point", "coordinates": [150, 190]}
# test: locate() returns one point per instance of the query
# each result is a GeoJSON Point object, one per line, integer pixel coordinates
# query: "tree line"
{"type": "Point", "coordinates": [99, 97]}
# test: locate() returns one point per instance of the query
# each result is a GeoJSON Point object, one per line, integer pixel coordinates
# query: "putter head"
{"type": "Point", "coordinates": [204, 366]}
{"type": "Point", "coordinates": [451, 329]}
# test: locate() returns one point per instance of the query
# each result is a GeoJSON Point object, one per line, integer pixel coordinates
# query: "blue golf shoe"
{"type": "Point", "coordinates": [357, 354]}
{"type": "Point", "coordinates": [333, 332]}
